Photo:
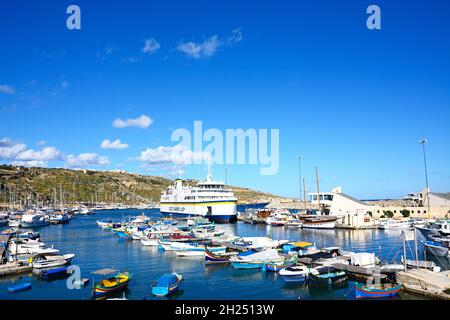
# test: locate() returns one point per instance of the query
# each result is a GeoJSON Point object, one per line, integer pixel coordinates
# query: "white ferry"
{"type": "Point", "coordinates": [209, 199]}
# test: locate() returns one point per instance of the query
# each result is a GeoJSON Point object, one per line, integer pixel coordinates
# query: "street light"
{"type": "Point", "coordinates": [423, 142]}
{"type": "Point", "coordinates": [300, 176]}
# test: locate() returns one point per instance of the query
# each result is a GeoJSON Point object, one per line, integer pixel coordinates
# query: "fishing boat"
{"type": "Point", "coordinates": [320, 223]}
{"type": "Point", "coordinates": [29, 235]}
{"type": "Point", "coordinates": [376, 291]}
{"type": "Point", "coordinates": [4, 220]}
{"type": "Point", "coordinates": [218, 258]}
{"type": "Point", "coordinates": [294, 223]}
{"type": "Point", "coordinates": [123, 234]}
{"type": "Point", "coordinates": [167, 284]}
{"type": "Point", "coordinates": [326, 276]}
{"type": "Point", "coordinates": [33, 220]}
{"type": "Point", "coordinates": [428, 231]}
{"type": "Point", "coordinates": [296, 274]}
{"type": "Point", "coordinates": [45, 261]}
{"type": "Point", "coordinates": [104, 223]}
{"type": "Point", "coordinates": [117, 283]}
{"type": "Point", "coordinates": [189, 250]}
{"type": "Point", "coordinates": [394, 224]}
{"type": "Point", "coordinates": [60, 218]}
{"type": "Point", "coordinates": [19, 287]}
{"type": "Point", "coordinates": [436, 248]}
{"type": "Point", "coordinates": [255, 260]}
{"type": "Point", "coordinates": [277, 266]}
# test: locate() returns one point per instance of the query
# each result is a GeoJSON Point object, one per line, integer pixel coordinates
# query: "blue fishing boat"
{"type": "Point", "coordinates": [167, 284]}
{"type": "Point", "coordinates": [324, 276]}
{"type": "Point", "coordinates": [377, 291]}
{"type": "Point", "coordinates": [19, 287]}
{"type": "Point", "coordinates": [53, 273]}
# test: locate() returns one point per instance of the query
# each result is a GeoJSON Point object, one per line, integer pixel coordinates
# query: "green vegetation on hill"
{"type": "Point", "coordinates": [46, 185]}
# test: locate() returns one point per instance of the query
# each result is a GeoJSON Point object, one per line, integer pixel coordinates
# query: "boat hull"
{"type": "Point", "coordinates": [364, 292]}
{"type": "Point", "coordinates": [228, 218]}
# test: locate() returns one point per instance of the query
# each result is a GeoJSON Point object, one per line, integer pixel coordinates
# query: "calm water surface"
{"type": "Point", "coordinates": [96, 249]}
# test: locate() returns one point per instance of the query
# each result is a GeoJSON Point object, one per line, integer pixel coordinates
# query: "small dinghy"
{"type": "Point", "coordinates": [327, 277]}
{"type": "Point", "coordinates": [297, 274]}
{"type": "Point", "coordinates": [377, 291]}
{"type": "Point", "coordinates": [19, 287]}
{"type": "Point", "coordinates": [167, 284]}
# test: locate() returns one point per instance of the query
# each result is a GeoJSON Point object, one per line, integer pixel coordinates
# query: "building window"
{"type": "Point", "coordinates": [418, 211]}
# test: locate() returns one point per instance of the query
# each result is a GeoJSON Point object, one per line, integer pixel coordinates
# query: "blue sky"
{"type": "Point", "coordinates": [352, 101]}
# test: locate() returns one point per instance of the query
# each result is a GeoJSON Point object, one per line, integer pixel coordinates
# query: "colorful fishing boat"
{"type": "Point", "coordinates": [376, 291]}
{"type": "Point", "coordinates": [117, 283]}
{"type": "Point", "coordinates": [167, 284]}
{"type": "Point", "coordinates": [123, 234]}
{"type": "Point", "coordinates": [218, 258]}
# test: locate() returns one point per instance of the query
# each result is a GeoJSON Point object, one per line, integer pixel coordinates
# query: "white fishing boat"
{"type": "Point", "coordinates": [320, 223]}
{"type": "Point", "coordinates": [150, 242]}
{"type": "Point", "coordinates": [188, 250]}
{"type": "Point", "coordinates": [394, 224]}
{"type": "Point", "coordinates": [255, 260]}
{"type": "Point", "coordinates": [48, 261]}
{"type": "Point", "coordinates": [33, 220]}
{"type": "Point", "coordinates": [26, 250]}
{"type": "Point", "coordinates": [258, 242]}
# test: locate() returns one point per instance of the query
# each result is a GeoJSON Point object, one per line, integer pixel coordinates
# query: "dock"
{"type": "Point", "coordinates": [426, 283]}
{"type": "Point", "coordinates": [14, 268]}
{"type": "Point", "coordinates": [4, 239]}
{"type": "Point", "coordinates": [365, 271]}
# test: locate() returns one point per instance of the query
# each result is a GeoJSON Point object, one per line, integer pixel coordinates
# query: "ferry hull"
{"type": "Point", "coordinates": [214, 218]}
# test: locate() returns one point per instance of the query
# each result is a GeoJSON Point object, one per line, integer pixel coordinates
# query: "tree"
{"type": "Point", "coordinates": [389, 214]}
{"type": "Point", "coordinates": [405, 213]}
{"type": "Point", "coordinates": [369, 213]}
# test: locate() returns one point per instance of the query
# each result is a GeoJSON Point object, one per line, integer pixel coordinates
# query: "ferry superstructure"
{"type": "Point", "coordinates": [208, 199]}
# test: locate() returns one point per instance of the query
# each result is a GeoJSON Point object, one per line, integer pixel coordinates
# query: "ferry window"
{"type": "Point", "coordinates": [329, 197]}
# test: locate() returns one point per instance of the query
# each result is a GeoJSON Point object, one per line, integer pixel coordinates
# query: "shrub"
{"type": "Point", "coordinates": [405, 213]}
{"type": "Point", "coordinates": [389, 214]}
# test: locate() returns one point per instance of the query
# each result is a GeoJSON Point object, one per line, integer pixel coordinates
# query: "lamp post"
{"type": "Point", "coordinates": [423, 142]}
{"type": "Point", "coordinates": [300, 176]}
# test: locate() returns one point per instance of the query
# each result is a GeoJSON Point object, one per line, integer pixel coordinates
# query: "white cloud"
{"type": "Point", "coordinates": [6, 89]}
{"type": "Point", "coordinates": [140, 122]}
{"type": "Point", "coordinates": [46, 154]}
{"type": "Point", "coordinates": [177, 155]}
{"type": "Point", "coordinates": [10, 150]}
{"type": "Point", "coordinates": [86, 160]}
{"type": "Point", "coordinates": [204, 49]}
{"type": "Point", "coordinates": [209, 47]}
{"type": "Point", "coordinates": [29, 164]}
{"type": "Point", "coordinates": [116, 144]}
{"type": "Point", "coordinates": [106, 52]}
{"type": "Point", "coordinates": [151, 46]}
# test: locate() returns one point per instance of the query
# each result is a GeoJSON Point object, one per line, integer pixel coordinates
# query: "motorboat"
{"type": "Point", "coordinates": [436, 248]}
{"type": "Point", "coordinates": [34, 220]}
{"type": "Point", "coordinates": [255, 260]}
{"type": "Point", "coordinates": [42, 261]}
{"type": "Point", "coordinates": [167, 284]}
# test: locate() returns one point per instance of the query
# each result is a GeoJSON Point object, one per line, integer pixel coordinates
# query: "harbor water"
{"type": "Point", "coordinates": [97, 249]}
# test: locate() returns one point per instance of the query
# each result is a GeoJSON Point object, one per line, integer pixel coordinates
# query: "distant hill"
{"type": "Point", "coordinates": [46, 185]}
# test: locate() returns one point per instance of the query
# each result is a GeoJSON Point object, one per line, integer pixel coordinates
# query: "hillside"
{"type": "Point", "coordinates": [46, 185]}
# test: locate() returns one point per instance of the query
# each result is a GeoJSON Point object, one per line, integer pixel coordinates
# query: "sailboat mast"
{"type": "Point", "coordinates": [318, 190]}
{"type": "Point", "coordinates": [304, 194]}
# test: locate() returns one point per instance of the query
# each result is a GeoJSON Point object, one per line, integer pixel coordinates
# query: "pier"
{"type": "Point", "coordinates": [425, 282]}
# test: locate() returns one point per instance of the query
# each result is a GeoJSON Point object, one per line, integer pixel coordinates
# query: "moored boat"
{"type": "Point", "coordinates": [376, 291]}
{"type": "Point", "coordinates": [296, 274]}
{"type": "Point", "coordinates": [326, 276]}
{"type": "Point", "coordinates": [117, 283]}
{"type": "Point", "coordinates": [48, 261]}
{"type": "Point", "coordinates": [167, 284]}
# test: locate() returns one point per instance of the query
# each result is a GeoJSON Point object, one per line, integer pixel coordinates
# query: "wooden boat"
{"type": "Point", "coordinates": [19, 287]}
{"type": "Point", "coordinates": [167, 284]}
{"type": "Point", "coordinates": [297, 274]}
{"type": "Point", "coordinates": [218, 258]}
{"type": "Point", "coordinates": [252, 260]}
{"type": "Point", "coordinates": [117, 283]}
{"type": "Point", "coordinates": [326, 276]}
{"type": "Point", "coordinates": [377, 291]}
{"type": "Point", "coordinates": [436, 248]}
{"type": "Point", "coordinates": [192, 250]}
